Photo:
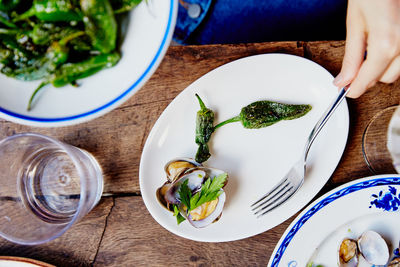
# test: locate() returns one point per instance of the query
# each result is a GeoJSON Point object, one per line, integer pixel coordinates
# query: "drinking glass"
{"type": "Point", "coordinates": [381, 141]}
{"type": "Point", "coordinates": [45, 187]}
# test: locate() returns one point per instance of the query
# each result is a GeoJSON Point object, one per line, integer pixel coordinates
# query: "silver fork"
{"type": "Point", "coordinates": [293, 180]}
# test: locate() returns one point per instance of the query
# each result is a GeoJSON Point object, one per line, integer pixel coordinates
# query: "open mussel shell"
{"type": "Point", "coordinates": [370, 248]}
{"type": "Point", "coordinates": [174, 168]}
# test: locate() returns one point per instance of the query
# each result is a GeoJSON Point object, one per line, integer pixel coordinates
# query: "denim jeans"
{"type": "Point", "coordinates": [242, 21]}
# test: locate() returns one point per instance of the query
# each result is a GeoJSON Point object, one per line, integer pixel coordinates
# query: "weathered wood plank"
{"type": "Point", "coordinates": [133, 238]}
{"type": "Point", "coordinates": [77, 247]}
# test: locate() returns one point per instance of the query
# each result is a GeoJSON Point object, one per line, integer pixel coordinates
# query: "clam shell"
{"type": "Point", "coordinates": [196, 178]}
{"type": "Point", "coordinates": [373, 248]}
{"type": "Point", "coordinates": [212, 217]}
{"type": "Point", "coordinates": [174, 168]}
{"type": "Point", "coordinates": [160, 195]}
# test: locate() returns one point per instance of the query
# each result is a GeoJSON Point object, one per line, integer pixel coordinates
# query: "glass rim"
{"type": "Point", "coordinates": [83, 183]}
{"type": "Point", "coordinates": [364, 137]}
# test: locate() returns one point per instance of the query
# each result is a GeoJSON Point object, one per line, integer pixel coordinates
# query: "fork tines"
{"type": "Point", "coordinates": [279, 194]}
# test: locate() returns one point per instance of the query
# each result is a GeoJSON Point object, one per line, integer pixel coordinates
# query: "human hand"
{"type": "Point", "coordinates": [373, 26]}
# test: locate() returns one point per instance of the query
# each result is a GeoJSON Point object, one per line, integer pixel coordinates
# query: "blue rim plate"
{"type": "Point", "coordinates": [47, 120]}
{"type": "Point", "coordinates": [370, 203]}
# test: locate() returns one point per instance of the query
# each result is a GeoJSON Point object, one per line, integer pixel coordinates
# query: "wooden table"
{"type": "Point", "coordinates": [120, 231]}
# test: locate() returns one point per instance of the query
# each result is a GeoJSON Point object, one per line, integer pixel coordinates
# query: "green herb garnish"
{"type": "Point", "coordinates": [185, 194]}
{"type": "Point", "coordinates": [210, 190]}
{"type": "Point", "coordinates": [179, 217]}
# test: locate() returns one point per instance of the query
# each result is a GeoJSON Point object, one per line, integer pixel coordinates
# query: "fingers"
{"type": "Point", "coordinates": [392, 73]}
{"type": "Point", "coordinates": [372, 69]}
{"type": "Point", "coordinates": [353, 58]}
{"type": "Point", "coordinates": [355, 47]}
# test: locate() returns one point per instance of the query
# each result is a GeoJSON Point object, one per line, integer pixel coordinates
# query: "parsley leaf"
{"type": "Point", "coordinates": [218, 182]}
{"type": "Point", "coordinates": [179, 217]}
{"type": "Point", "coordinates": [210, 190]}
{"type": "Point", "coordinates": [185, 194]}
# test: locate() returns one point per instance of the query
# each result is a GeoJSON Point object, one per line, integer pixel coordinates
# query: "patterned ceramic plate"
{"type": "Point", "coordinates": [346, 212]}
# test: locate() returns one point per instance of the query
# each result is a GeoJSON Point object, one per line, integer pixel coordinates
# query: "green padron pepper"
{"type": "Point", "coordinates": [70, 72]}
{"type": "Point", "coordinates": [100, 24]}
{"type": "Point", "coordinates": [265, 113]}
{"type": "Point", "coordinates": [204, 129]}
{"type": "Point", "coordinates": [52, 11]}
{"type": "Point", "coordinates": [39, 67]}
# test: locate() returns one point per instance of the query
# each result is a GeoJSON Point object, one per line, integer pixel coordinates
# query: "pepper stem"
{"type": "Point", "coordinates": [25, 15]}
{"type": "Point", "coordinates": [202, 106]}
{"type": "Point", "coordinates": [34, 94]}
{"type": "Point", "coordinates": [234, 119]}
{"type": "Point", "coordinates": [70, 37]}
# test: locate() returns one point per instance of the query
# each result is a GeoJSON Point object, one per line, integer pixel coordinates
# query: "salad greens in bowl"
{"type": "Point", "coordinates": [64, 62]}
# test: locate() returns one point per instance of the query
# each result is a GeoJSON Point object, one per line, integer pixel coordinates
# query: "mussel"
{"type": "Point", "coordinates": [370, 248]}
{"type": "Point", "coordinates": [184, 169]}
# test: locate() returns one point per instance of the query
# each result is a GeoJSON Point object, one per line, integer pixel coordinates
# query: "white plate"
{"type": "Point", "coordinates": [148, 33]}
{"type": "Point", "coordinates": [254, 159]}
{"type": "Point", "coordinates": [346, 212]}
{"type": "Point", "coordinates": [6, 261]}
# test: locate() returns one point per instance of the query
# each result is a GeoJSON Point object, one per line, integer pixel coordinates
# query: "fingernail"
{"type": "Point", "coordinates": [338, 79]}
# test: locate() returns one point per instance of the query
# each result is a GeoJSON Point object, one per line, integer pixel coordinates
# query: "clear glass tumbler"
{"type": "Point", "coordinates": [45, 187]}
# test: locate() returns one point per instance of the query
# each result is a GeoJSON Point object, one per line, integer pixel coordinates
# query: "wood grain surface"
{"type": "Point", "coordinates": [120, 231]}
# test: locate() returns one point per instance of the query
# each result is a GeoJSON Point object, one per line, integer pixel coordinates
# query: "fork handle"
{"type": "Point", "coordinates": [324, 118]}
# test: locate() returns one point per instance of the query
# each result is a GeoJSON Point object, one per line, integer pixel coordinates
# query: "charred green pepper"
{"type": "Point", "coordinates": [265, 113]}
{"type": "Point", "coordinates": [40, 67]}
{"type": "Point", "coordinates": [56, 40]}
{"type": "Point", "coordinates": [70, 72]}
{"type": "Point", "coordinates": [100, 24]}
{"type": "Point", "coordinates": [52, 10]}
{"type": "Point", "coordinates": [256, 115]}
{"type": "Point", "coordinates": [204, 129]}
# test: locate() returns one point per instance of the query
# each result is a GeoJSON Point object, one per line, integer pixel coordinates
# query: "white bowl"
{"type": "Point", "coordinates": [149, 31]}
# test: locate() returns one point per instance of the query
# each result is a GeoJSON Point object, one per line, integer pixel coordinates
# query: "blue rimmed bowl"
{"type": "Point", "coordinates": [148, 32]}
